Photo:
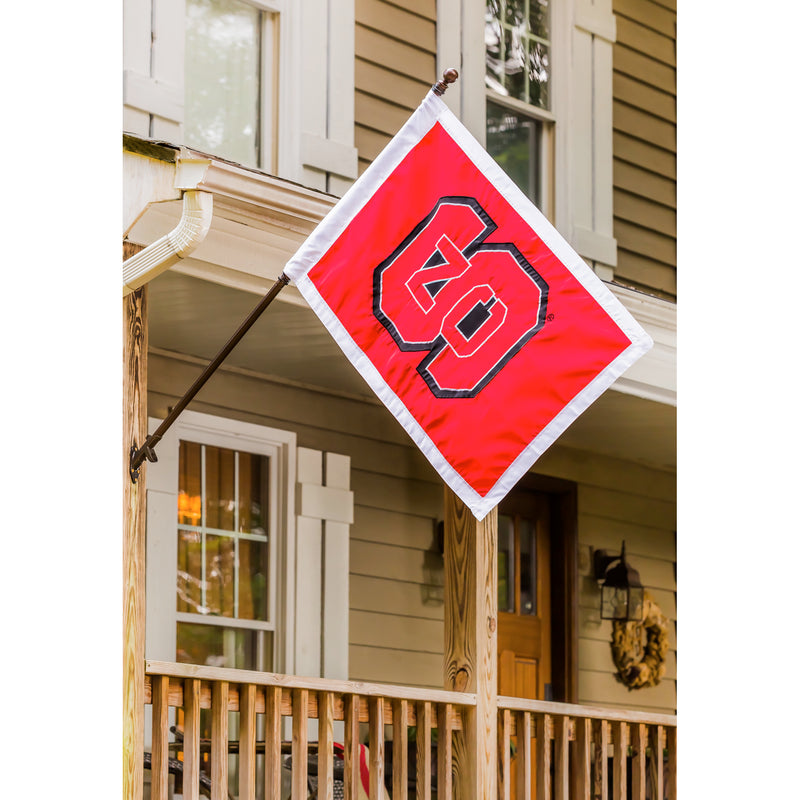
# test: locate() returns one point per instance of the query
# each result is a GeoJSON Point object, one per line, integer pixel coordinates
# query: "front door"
{"type": "Point", "coordinates": [523, 588]}
{"type": "Point", "coordinates": [524, 652]}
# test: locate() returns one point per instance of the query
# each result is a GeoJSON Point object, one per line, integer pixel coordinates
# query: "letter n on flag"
{"type": "Point", "coordinates": [470, 317]}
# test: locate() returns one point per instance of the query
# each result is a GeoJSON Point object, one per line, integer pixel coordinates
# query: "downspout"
{"type": "Point", "coordinates": [191, 230]}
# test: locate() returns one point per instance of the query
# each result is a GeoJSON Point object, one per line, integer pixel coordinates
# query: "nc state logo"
{"type": "Point", "coordinates": [471, 305]}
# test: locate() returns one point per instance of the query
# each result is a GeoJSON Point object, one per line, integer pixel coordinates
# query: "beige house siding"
{"type": "Point", "coordinates": [396, 573]}
{"type": "Point", "coordinates": [644, 90]}
{"type": "Point", "coordinates": [396, 629]}
{"type": "Point", "coordinates": [395, 58]}
{"type": "Point", "coordinates": [395, 620]}
{"type": "Point", "coordinates": [620, 500]}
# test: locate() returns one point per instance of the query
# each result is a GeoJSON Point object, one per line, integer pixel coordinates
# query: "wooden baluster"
{"type": "Point", "coordinates": [672, 763]}
{"type": "Point", "coordinates": [376, 748]}
{"type": "Point", "coordinates": [601, 760]}
{"type": "Point", "coordinates": [583, 759]}
{"type": "Point", "coordinates": [424, 750]}
{"type": "Point", "coordinates": [639, 766]}
{"type": "Point", "coordinates": [247, 742]}
{"type": "Point", "coordinates": [504, 754]}
{"type": "Point", "coordinates": [657, 761]}
{"type": "Point", "coordinates": [352, 773]}
{"type": "Point", "coordinates": [523, 755]}
{"type": "Point", "coordinates": [400, 750]}
{"type": "Point", "coordinates": [159, 787]}
{"type": "Point", "coordinates": [272, 741]}
{"type": "Point", "coordinates": [300, 743]}
{"type": "Point", "coordinates": [219, 740]}
{"type": "Point", "coordinates": [191, 739]}
{"type": "Point", "coordinates": [543, 758]}
{"type": "Point", "coordinates": [620, 761]}
{"type": "Point", "coordinates": [444, 766]}
{"type": "Point", "coordinates": [561, 789]}
{"type": "Point", "coordinates": [325, 748]}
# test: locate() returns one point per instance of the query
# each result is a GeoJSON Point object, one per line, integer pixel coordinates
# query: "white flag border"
{"type": "Point", "coordinates": [431, 110]}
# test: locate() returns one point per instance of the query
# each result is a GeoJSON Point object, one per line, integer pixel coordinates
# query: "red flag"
{"type": "Point", "coordinates": [472, 319]}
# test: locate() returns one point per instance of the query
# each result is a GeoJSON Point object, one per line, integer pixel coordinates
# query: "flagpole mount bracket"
{"type": "Point", "coordinates": [449, 76]}
{"type": "Point", "coordinates": [137, 458]}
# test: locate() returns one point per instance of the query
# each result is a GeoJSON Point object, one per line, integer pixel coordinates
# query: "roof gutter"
{"type": "Point", "coordinates": [191, 230]}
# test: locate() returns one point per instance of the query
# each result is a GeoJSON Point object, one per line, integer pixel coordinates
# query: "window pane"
{"type": "Point", "coordinates": [527, 567]}
{"type": "Point", "coordinates": [513, 140]}
{"type": "Point", "coordinates": [223, 574]}
{"type": "Point", "coordinates": [515, 13]}
{"type": "Point", "coordinates": [518, 50]}
{"type": "Point", "coordinates": [505, 563]}
{"type": "Point", "coordinates": [220, 488]}
{"type": "Point", "coordinates": [539, 18]}
{"type": "Point", "coordinates": [253, 494]}
{"type": "Point", "coordinates": [539, 75]}
{"type": "Point", "coordinates": [189, 483]}
{"type": "Point", "coordinates": [223, 55]}
{"type": "Point", "coordinates": [514, 64]}
{"type": "Point", "coordinates": [190, 572]}
{"type": "Point", "coordinates": [493, 37]}
{"type": "Point", "coordinates": [220, 559]}
{"type": "Point", "coordinates": [216, 646]}
{"type": "Point", "coordinates": [252, 579]}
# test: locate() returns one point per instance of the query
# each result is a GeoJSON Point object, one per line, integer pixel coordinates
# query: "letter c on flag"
{"type": "Point", "coordinates": [472, 305]}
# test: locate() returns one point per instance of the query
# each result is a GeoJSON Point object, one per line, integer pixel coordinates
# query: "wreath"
{"type": "Point", "coordinates": [640, 647]}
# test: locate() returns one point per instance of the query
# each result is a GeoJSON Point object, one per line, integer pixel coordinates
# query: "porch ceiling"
{"type": "Point", "coordinates": [195, 317]}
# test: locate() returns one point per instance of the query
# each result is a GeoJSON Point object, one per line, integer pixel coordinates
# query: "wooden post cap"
{"type": "Point", "coordinates": [449, 76]}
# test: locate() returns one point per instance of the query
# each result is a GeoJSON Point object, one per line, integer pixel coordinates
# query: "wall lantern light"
{"type": "Point", "coordinates": [622, 593]}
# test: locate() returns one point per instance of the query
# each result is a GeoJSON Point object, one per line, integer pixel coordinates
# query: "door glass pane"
{"type": "Point", "coordinates": [223, 71]}
{"type": "Point", "coordinates": [513, 140]}
{"type": "Point", "coordinates": [505, 563]}
{"type": "Point", "coordinates": [527, 567]}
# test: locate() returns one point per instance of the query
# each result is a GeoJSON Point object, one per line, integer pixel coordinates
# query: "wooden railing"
{"type": "Point", "coordinates": [559, 751]}
{"type": "Point", "coordinates": [252, 735]}
{"type": "Point", "coordinates": [247, 729]}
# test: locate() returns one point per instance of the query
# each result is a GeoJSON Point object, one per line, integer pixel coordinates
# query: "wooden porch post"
{"type": "Point", "coordinates": [134, 396]}
{"type": "Point", "coordinates": [470, 646]}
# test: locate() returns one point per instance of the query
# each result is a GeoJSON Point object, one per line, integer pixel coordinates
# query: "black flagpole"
{"type": "Point", "coordinates": [146, 451]}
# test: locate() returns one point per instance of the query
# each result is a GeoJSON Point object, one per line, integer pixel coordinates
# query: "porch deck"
{"type": "Point", "coordinates": [412, 737]}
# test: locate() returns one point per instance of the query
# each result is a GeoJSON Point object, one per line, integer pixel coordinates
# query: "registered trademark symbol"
{"type": "Point", "coordinates": [550, 317]}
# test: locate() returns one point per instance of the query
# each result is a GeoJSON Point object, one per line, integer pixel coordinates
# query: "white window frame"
{"type": "Point", "coordinates": [582, 34]}
{"type": "Point", "coordinates": [162, 616]}
{"type": "Point", "coordinates": [273, 33]}
{"type": "Point", "coordinates": [314, 92]}
{"type": "Point", "coordinates": [545, 189]}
